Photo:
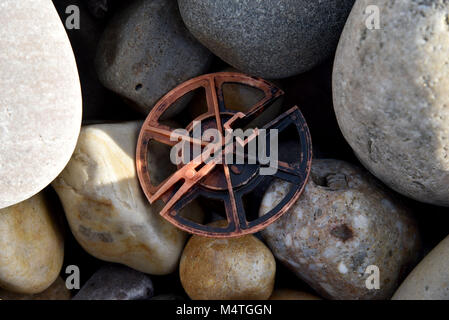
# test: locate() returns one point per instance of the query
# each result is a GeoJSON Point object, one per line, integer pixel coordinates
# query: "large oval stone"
{"type": "Point", "coordinates": [40, 105]}
{"type": "Point", "coordinates": [391, 95]}
{"type": "Point", "coordinates": [227, 269]}
{"type": "Point", "coordinates": [107, 211]}
{"type": "Point", "coordinates": [270, 39]}
{"type": "Point", "coordinates": [343, 223]}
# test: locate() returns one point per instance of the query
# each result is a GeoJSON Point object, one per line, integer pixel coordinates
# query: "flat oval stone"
{"type": "Point", "coordinates": [146, 51]}
{"type": "Point", "coordinates": [40, 104]}
{"type": "Point", "coordinates": [31, 246]}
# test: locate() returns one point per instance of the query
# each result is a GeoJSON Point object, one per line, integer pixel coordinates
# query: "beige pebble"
{"type": "Point", "coordinates": [31, 246]}
{"type": "Point", "coordinates": [343, 223]}
{"type": "Point", "coordinates": [391, 97]}
{"type": "Point", "coordinates": [107, 211]}
{"type": "Point", "coordinates": [227, 269]}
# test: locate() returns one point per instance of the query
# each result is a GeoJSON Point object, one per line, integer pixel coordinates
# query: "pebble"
{"type": "Point", "coordinates": [40, 105]}
{"type": "Point", "coordinates": [106, 209]}
{"type": "Point", "coordinates": [227, 269]}
{"type": "Point", "coordinates": [270, 39]}
{"type": "Point", "coordinates": [115, 282]}
{"type": "Point", "coordinates": [146, 51]}
{"type": "Point", "coordinates": [31, 246]}
{"type": "Point", "coordinates": [343, 223]}
{"type": "Point", "coordinates": [429, 280]}
{"type": "Point", "coordinates": [390, 95]}
{"type": "Point", "coordinates": [288, 294]}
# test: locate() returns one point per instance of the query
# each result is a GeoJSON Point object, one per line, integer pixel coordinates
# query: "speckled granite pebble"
{"type": "Point", "coordinates": [343, 223]}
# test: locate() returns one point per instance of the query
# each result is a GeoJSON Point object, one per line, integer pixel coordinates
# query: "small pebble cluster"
{"type": "Point", "coordinates": [376, 101]}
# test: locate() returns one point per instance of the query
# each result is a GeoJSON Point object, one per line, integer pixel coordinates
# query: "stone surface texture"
{"type": "Point", "coordinates": [106, 209]}
{"type": "Point", "coordinates": [391, 98]}
{"type": "Point", "coordinates": [270, 39]}
{"type": "Point", "coordinates": [57, 291]}
{"type": "Point", "coordinates": [31, 246]}
{"type": "Point", "coordinates": [227, 269]}
{"type": "Point", "coordinates": [288, 294]}
{"type": "Point", "coordinates": [341, 224]}
{"type": "Point", "coordinates": [146, 51]}
{"type": "Point", "coordinates": [115, 282]}
{"type": "Point", "coordinates": [429, 280]}
{"type": "Point", "coordinates": [40, 104]}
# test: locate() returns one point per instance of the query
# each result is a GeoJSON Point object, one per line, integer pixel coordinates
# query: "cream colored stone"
{"type": "Point", "coordinates": [57, 291]}
{"type": "Point", "coordinates": [391, 95]}
{"type": "Point", "coordinates": [430, 278]}
{"type": "Point", "coordinates": [107, 211]}
{"type": "Point", "coordinates": [227, 269]}
{"type": "Point", "coordinates": [31, 246]}
{"type": "Point", "coordinates": [343, 223]}
{"type": "Point", "coordinates": [40, 104]}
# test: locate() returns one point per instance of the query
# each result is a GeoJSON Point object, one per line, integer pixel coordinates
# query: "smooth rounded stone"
{"type": "Point", "coordinates": [429, 280]}
{"type": "Point", "coordinates": [40, 105]}
{"type": "Point", "coordinates": [390, 95]}
{"type": "Point", "coordinates": [146, 51]}
{"type": "Point", "coordinates": [31, 246]}
{"type": "Point", "coordinates": [57, 291]}
{"type": "Point", "coordinates": [227, 269]}
{"type": "Point", "coordinates": [106, 209]}
{"type": "Point", "coordinates": [343, 223]}
{"type": "Point", "coordinates": [288, 294]}
{"type": "Point", "coordinates": [270, 39]}
{"type": "Point", "coordinates": [116, 282]}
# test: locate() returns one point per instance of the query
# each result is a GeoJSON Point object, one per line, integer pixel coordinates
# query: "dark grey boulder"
{"type": "Point", "coordinates": [146, 51]}
{"type": "Point", "coordinates": [271, 39]}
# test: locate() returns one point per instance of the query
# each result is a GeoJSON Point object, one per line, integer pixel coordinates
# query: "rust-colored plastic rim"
{"type": "Point", "coordinates": [189, 181]}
